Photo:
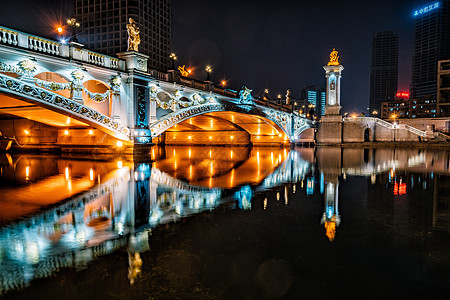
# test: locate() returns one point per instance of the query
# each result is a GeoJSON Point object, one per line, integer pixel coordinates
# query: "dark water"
{"type": "Point", "coordinates": [227, 223]}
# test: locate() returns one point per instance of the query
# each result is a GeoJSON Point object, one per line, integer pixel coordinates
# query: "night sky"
{"type": "Point", "coordinates": [277, 45]}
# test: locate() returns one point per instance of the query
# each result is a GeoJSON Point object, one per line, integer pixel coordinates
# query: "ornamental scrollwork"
{"type": "Point", "coordinates": [48, 97]}
{"type": "Point", "coordinates": [176, 100]}
{"type": "Point", "coordinates": [28, 68]}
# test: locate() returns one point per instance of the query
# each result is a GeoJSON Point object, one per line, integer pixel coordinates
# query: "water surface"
{"type": "Point", "coordinates": [230, 223]}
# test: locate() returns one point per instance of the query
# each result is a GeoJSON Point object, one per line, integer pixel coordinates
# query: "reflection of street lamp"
{"type": "Point", "coordinates": [208, 70]}
{"type": "Point", "coordinates": [173, 57]}
{"type": "Point", "coordinates": [72, 22]}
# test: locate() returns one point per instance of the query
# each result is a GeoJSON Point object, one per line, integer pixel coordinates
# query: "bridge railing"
{"type": "Point", "coordinates": [20, 39]}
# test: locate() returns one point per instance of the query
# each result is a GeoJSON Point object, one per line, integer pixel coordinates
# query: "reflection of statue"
{"type": "Point", "coordinates": [245, 96]}
{"type": "Point", "coordinates": [334, 58]}
{"type": "Point", "coordinates": [134, 266]}
{"type": "Point", "coordinates": [330, 217]}
{"type": "Point", "coordinates": [133, 36]}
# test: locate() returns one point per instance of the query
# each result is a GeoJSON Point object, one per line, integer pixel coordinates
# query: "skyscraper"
{"type": "Point", "coordinates": [316, 96]}
{"type": "Point", "coordinates": [431, 44]}
{"type": "Point", "coordinates": [103, 27]}
{"type": "Point", "coordinates": [384, 70]}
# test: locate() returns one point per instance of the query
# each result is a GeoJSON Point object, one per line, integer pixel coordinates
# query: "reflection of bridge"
{"type": "Point", "coordinates": [86, 98]}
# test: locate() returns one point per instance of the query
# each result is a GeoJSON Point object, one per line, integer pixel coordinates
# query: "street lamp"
{"type": "Point", "coordinates": [208, 70]}
{"type": "Point", "coordinates": [72, 22]}
{"type": "Point", "coordinates": [173, 57]}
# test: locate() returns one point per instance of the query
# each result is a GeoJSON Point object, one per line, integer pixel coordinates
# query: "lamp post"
{"type": "Point", "coordinates": [72, 22]}
{"type": "Point", "coordinates": [173, 57]}
{"type": "Point", "coordinates": [208, 70]}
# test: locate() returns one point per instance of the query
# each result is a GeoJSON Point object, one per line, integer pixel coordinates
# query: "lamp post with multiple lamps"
{"type": "Point", "coordinates": [173, 57]}
{"type": "Point", "coordinates": [208, 70]}
{"type": "Point", "coordinates": [72, 22]}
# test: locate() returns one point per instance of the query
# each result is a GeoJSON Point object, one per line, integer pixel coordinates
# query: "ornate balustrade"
{"type": "Point", "coordinates": [28, 41]}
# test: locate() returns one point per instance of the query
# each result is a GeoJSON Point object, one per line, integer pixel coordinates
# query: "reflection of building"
{"type": "Point", "coordinates": [431, 44]}
{"type": "Point", "coordinates": [103, 27]}
{"type": "Point", "coordinates": [384, 70]}
{"type": "Point", "coordinates": [316, 97]}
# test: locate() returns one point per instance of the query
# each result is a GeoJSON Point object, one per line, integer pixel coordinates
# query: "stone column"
{"type": "Point", "coordinates": [330, 126]}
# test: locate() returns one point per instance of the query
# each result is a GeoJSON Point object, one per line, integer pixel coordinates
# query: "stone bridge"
{"type": "Point", "coordinates": [56, 94]}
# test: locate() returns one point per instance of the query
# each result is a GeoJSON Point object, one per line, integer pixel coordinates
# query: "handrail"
{"type": "Point", "coordinates": [20, 39]}
{"type": "Point", "coordinates": [415, 130]}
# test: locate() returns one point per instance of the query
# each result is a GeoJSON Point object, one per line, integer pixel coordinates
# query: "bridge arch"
{"type": "Point", "coordinates": [254, 120]}
{"type": "Point", "coordinates": [54, 77]}
{"type": "Point", "coordinates": [56, 105]}
{"type": "Point", "coordinates": [97, 87]}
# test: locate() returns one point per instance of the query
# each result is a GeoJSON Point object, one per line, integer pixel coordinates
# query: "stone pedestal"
{"type": "Point", "coordinates": [134, 61]}
{"type": "Point", "coordinates": [330, 126]}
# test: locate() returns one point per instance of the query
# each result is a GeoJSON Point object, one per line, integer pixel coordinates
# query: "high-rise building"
{"type": "Point", "coordinates": [103, 27]}
{"type": "Point", "coordinates": [316, 97]}
{"type": "Point", "coordinates": [431, 44]}
{"type": "Point", "coordinates": [384, 70]}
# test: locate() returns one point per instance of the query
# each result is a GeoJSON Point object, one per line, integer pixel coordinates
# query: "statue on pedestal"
{"type": "Point", "coordinates": [334, 58]}
{"type": "Point", "coordinates": [133, 36]}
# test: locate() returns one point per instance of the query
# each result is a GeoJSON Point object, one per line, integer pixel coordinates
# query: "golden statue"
{"type": "Point", "coordinates": [183, 71]}
{"type": "Point", "coordinates": [133, 36]}
{"type": "Point", "coordinates": [334, 58]}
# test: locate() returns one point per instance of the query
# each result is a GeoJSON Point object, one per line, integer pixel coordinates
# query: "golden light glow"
{"type": "Point", "coordinates": [231, 137]}
{"type": "Point", "coordinates": [91, 174]}
{"type": "Point", "coordinates": [119, 143]}
{"type": "Point", "coordinates": [208, 69]}
{"type": "Point", "coordinates": [190, 171]}
{"type": "Point", "coordinates": [91, 132]}
{"type": "Point", "coordinates": [67, 173]}
{"type": "Point", "coordinates": [231, 154]}
{"type": "Point", "coordinates": [66, 132]}
{"type": "Point", "coordinates": [189, 137]}
{"type": "Point", "coordinates": [119, 164]}
{"type": "Point", "coordinates": [60, 30]}
{"type": "Point", "coordinates": [265, 203]}
{"type": "Point", "coordinates": [210, 137]}
{"type": "Point", "coordinates": [330, 228]}
{"type": "Point", "coordinates": [68, 121]}
{"type": "Point", "coordinates": [26, 132]}
{"type": "Point", "coordinates": [27, 173]}
{"type": "Point", "coordinates": [189, 153]}
{"type": "Point", "coordinates": [224, 83]}
{"type": "Point", "coordinates": [173, 56]}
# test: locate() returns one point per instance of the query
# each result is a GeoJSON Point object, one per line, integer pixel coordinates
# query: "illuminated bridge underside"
{"type": "Point", "coordinates": [229, 123]}
{"type": "Point", "coordinates": [28, 101]}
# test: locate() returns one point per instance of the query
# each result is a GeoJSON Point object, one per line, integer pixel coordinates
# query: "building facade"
{"type": "Point", "coordinates": [316, 96]}
{"type": "Point", "coordinates": [384, 69]}
{"type": "Point", "coordinates": [103, 27]}
{"type": "Point", "coordinates": [443, 93]}
{"type": "Point", "coordinates": [409, 108]}
{"type": "Point", "coordinates": [431, 44]}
